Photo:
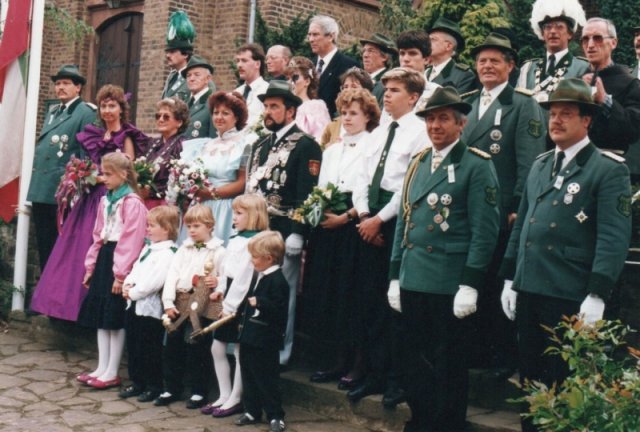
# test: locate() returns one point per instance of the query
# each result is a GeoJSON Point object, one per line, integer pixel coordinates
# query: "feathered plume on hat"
{"type": "Point", "coordinates": [180, 32]}
{"type": "Point", "coordinates": [544, 10]}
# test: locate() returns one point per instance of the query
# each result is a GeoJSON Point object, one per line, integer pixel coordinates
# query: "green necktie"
{"type": "Point", "coordinates": [374, 189]}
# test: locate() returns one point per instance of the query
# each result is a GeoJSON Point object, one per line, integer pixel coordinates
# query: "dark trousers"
{"type": "Point", "coordinates": [261, 381]}
{"type": "Point", "coordinates": [144, 345]}
{"type": "Point", "coordinates": [45, 217]}
{"type": "Point", "coordinates": [181, 354]}
{"type": "Point", "coordinates": [532, 311]}
{"type": "Point", "coordinates": [435, 353]}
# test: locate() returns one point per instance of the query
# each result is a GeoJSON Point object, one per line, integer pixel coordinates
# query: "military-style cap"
{"type": "Point", "coordinates": [444, 97]}
{"type": "Point", "coordinates": [278, 88]}
{"type": "Point", "coordinates": [194, 62]}
{"type": "Point", "coordinates": [71, 72]}
{"type": "Point", "coordinates": [572, 90]}
{"type": "Point", "coordinates": [382, 42]}
{"type": "Point", "coordinates": [180, 32]}
{"type": "Point", "coordinates": [496, 41]}
{"type": "Point", "coordinates": [446, 25]}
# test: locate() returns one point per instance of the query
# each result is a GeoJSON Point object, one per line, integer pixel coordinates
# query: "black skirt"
{"type": "Point", "coordinates": [101, 309]}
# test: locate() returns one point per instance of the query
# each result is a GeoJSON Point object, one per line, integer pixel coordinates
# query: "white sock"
{"type": "Point", "coordinates": [223, 371]}
{"type": "Point", "coordinates": [236, 394]}
{"type": "Point", "coordinates": [116, 343]}
{"type": "Point", "coordinates": [103, 353]}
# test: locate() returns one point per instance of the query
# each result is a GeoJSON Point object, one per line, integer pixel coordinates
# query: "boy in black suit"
{"type": "Point", "coordinates": [262, 331]}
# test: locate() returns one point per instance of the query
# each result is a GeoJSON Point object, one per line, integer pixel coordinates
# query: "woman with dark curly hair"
{"type": "Point", "coordinates": [224, 157]}
{"type": "Point", "coordinates": [60, 292]}
{"type": "Point", "coordinates": [172, 118]}
{"type": "Point", "coordinates": [312, 116]}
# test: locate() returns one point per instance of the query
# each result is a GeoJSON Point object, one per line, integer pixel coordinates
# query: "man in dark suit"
{"type": "Point", "coordinates": [330, 63]}
{"type": "Point", "coordinates": [198, 75]}
{"type": "Point", "coordinates": [285, 185]}
{"type": "Point", "coordinates": [56, 143]}
{"type": "Point", "coordinates": [377, 57]}
{"type": "Point", "coordinates": [571, 236]}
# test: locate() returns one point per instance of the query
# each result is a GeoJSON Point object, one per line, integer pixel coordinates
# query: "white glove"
{"type": "Point", "coordinates": [293, 244]}
{"type": "Point", "coordinates": [508, 299]}
{"type": "Point", "coordinates": [592, 309]}
{"type": "Point", "coordinates": [464, 303]}
{"type": "Point", "coordinates": [393, 295]}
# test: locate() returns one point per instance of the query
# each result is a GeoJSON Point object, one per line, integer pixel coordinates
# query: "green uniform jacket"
{"type": "Point", "coordinates": [570, 240]}
{"type": "Point", "coordinates": [52, 152]}
{"type": "Point", "coordinates": [178, 88]}
{"type": "Point", "coordinates": [378, 88]}
{"type": "Point", "coordinates": [513, 138]}
{"type": "Point", "coordinates": [458, 76]}
{"type": "Point", "coordinates": [429, 256]}
{"type": "Point", "coordinates": [200, 125]}
{"type": "Point", "coordinates": [574, 67]}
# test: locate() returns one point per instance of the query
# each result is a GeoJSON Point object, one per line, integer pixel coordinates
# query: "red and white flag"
{"type": "Point", "coordinates": [13, 99]}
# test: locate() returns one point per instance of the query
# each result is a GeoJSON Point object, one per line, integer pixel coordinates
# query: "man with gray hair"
{"type": "Point", "coordinates": [330, 63]}
{"type": "Point", "coordinates": [277, 59]}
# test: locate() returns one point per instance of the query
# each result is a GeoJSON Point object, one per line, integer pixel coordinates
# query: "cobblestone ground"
{"type": "Point", "coordinates": [38, 392]}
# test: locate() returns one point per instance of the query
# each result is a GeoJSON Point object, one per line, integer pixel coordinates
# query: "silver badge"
{"type": "Point", "coordinates": [197, 124]}
{"type": "Point", "coordinates": [573, 188]}
{"type": "Point", "coordinates": [432, 199]}
{"type": "Point", "coordinates": [582, 217]}
{"type": "Point", "coordinates": [496, 134]}
{"type": "Point", "coordinates": [444, 226]}
{"type": "Point", "coordinates": [283, 177]}
{"type": "Point", "coordinates": [59, 153]}
{"type": "Point", "coordinates": [438, 218]}
{"type": "Point", "coordinates": [195, 133]}
{"type": "Point", "coordinates": [55, 139]}
{"type": "Point", "coordinates": [494, 148]}
{"type": "Point", "coordinates": [445, 199]}
{"type": "Point", "coordinates": [568, 198]}
{"type": "Point", "coordinates": [64, 138]}
{"type": "Point", "coordinates": [270, 184]}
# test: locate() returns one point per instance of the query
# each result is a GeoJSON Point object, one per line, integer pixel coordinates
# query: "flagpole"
{"type": "Point", "coordinates": [28, 149]}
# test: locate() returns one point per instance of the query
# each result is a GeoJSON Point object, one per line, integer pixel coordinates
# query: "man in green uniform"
{"type": "Point", "coordinates": [178, 51]}
{"type": "Point", "coordinates": [56, 143]}
{"type": "Point", "coordinates": [198, 75]}
{"type": "Point", "coordinates": [446, 232]}
{"type": "Point", "coordinates": [571, 236]}
{"type": "Point", "coordinates": [377, 57]}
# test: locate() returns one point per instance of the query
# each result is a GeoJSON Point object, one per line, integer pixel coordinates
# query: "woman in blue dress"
{"type": "Point", "coordinates": [224, 157]}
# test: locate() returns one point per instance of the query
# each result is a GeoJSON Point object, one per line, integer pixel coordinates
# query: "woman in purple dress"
{"type": "Point", "coordinates": [59, 292]}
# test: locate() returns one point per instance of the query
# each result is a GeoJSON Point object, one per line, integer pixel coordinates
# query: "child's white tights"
{"type": "Point", "coordinates": [229, 396]}
{"type": "Point", "coordinates": [110, 347]}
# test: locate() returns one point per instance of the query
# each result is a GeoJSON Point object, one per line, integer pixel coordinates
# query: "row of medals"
{"type": "Point", "coordinates": [441, 216]}
{"type": "Point", "coordinates": [61, 140]}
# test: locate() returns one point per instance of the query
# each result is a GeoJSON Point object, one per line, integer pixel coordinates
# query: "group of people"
{"type": "Point", "coordinates": [465, 195]}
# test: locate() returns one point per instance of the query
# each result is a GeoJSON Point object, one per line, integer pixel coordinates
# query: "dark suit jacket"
{"type": "Point", "coordinates": [458, 76]}
{"type": "Point", "coordinates": [266, 330]}
{"type": "Point", "coordinates": [330, 79]}
{"type": "Point", "coordinates": [200, 125]}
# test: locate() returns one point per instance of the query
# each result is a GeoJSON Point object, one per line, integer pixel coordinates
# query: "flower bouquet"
{"type": "Point", "coordinates": [145, 171]}
{"type": "Point", "coordinates": [319, 201]}
{"type": "Point", "coordinates": [78, 178]}
{"type": "Point", "coordinates": [185, 180]}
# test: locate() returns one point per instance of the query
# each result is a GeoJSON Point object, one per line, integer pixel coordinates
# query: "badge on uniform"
{"type": "Point", "coordinates": [572, 189]}
{"type": "Point", "coordinates": [496, 135]}
{"type": "Point", "coordinates": [197, 124]}
{"type": "Point", "coordinates": [494, 148]}
{"type": "Point", "coordinates": [55, 139]}
{"type": "Point", "coordinates": [491, 195]}
{"type": "Point", "coordinates": [624, 205]}
{"type": "Point", "coordinates": [432, 199]}
{"type": "Point", "coordinates": [195, 133]}
{"type": "Point", "coordinates": [582, 217]}
{"type": "Point", "coordinates": [446, 199]}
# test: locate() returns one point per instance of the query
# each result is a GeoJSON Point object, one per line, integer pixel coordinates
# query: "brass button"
{"type": "Point", "coordinates": [430, 228]}
{"type": "Point", "coordinates": [532, 220]}
{"type": "Point", "coordinates": [410, 246]}
{"type": "Point", "coordinates": [553, 225]}
{"type": "Point", "coordinates": [550, 247]}
{"type": "Point", "coordinates": [555, 202]}
{"type": "Point", "coordinates": [412, 225]}
{"type": "Point", "coordinates": [429, 249]}
{"type": "Point", "coordinates": [527, 244]}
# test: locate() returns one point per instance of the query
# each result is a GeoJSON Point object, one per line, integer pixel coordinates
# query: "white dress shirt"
{"type": "Point", "coordinates": [494, 93]}
{"type": "Point", "coordinates": [327, 59]}
{"type": "Point", "coordinates": [341, 160]}
{"type": "Point", "coordinates": [236, 265]}
{"type": "Point", "coordinates": [572, 151]}
{"type": "Point", "coordinates": [254, 105]}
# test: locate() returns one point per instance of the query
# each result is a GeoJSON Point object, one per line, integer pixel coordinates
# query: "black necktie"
{"type": "Point", "coordinates": [59, 111]}
{"type": "Point", "coordinates": [245, 93]}
{"type": "Point", "coordinates": [320, 67]}
{"type": "Point", "coordinates": [191, 101]}
{"type": "Point", "coordinates": [374, 189]}
{"type": "Point", "coordinates": [551, 64]}
{"type": "Point", "coordinates": [173, 76]}
{"type": "Point", "coordinates": [557, 164]}
{"type": "Point", "coordinates": [428, 73]}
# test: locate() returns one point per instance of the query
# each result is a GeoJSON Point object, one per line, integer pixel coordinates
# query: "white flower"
{"type": "Point", "coordinates": [327, 194]}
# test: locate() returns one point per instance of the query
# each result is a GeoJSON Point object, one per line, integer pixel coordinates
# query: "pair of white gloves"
{"type": "Point", "coordinates": [591, 309]}
{"type": "Point", "coordinates": [293, 244]}
{"type": "Point", "coordinates": [464, 303]}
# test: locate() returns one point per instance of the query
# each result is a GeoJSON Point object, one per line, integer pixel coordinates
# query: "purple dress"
{"type": "Point", "coordinates": [59, 292]}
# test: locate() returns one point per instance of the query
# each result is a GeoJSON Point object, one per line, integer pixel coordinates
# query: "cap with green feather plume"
{"type": "Point", "coordinates": [180, 32]}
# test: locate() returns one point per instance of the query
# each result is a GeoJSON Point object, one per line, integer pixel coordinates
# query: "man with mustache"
{"type": "Point", "coordinates": [197, 75]}
{"type": "Point", "coordinates": [250, 61]}
{"type": "Point", "coordinates": [284, 168]}
{"type": "Point", "coordinates": [56, 143]}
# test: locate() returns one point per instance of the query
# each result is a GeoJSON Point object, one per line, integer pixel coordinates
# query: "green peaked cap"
{"type": "Point", "coordinates": [180, 32]}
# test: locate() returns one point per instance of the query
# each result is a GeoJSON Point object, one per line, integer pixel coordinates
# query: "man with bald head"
{"type": "Point", "coordinates": [277, 59]}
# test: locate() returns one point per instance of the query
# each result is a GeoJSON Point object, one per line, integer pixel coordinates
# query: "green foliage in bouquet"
{"type": "Point", "coordinates": [145, 172]}
{"type": "Point", "coordinates": [320, 201]}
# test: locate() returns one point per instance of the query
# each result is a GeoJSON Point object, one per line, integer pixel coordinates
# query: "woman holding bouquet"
{"type": "Point", "coordinates": [172, 119]}
{"type": "Point", "coordinates": [224, 158]}
{"type": "Point", "coordinates": [331, 255]}
{"type": "Point", "coordinates": [59, 292]}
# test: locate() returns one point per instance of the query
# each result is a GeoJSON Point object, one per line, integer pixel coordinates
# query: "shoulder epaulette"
{"type": "Point", "coordinates": [613, 156]}
{"type": "Point", "coordinates": [532, 60]}
{"type": "Point", "coordinates": [463, 66]}
{"type": "Point", "coordinates": [92, 106]}
{"type": "Point", "coordinates": [479, 152]}
{"type": "Point", "coordinates": [53, 107]}
{"type": "Point", "coordinates": [422, 154]}
{"type": "Point", "coordinates": [524, 91]}
{"type": "Point", "coordinates": [469, 93]}
{"type": "Point", "coordinates": [581, 58]}
{"type": "Point", "coordinates": [541, 155]}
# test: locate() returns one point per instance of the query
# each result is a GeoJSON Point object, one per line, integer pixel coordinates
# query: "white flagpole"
{"type": "Point", "coordinates": [28, 149]}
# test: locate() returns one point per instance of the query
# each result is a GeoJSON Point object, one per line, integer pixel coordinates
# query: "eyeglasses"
{"type": "Point", "coordinates": [163, 116]}
{"type": "Point", "coordinates": [597, 39]}
{"type": "Point", "coordinates": [554, 26]}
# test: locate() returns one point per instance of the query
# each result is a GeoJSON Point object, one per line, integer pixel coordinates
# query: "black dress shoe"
{"type": "Point", "coordinates": [196, 403]}
{"type": "Point", "coordinates": [165, 400]}
{"type": "Point", "coordinates": [347, 383]}
{"type": "Point", "coordinates": [325, 376]}
{"type": "Point", "coordinates": [392, 397]}
{"type": "Point", "coordinates": [245, 420]}
{"type": "Point", "coordinates": [364, 390]}
{"type": "Point", "coordinates": [148, 395]}
{"type": "Point", "coordinates": [130, 391]}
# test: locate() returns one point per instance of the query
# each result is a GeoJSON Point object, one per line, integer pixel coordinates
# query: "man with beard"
{"type": "Point", "coordinates": [198, 76]}
{"type": "Point", "coordinates": [251, 67]}
{"type": "Point", "coordinates": [56, 143]}
{"type": "Point", "coordinates": [284, 168]}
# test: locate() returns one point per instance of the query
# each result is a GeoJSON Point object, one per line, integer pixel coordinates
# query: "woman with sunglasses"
{"type": "Point", "coordinates": [224, 157]}
{"type": "Point", "coordinates": [312, 116]}
{"type": "Point", "coordinates": [172, 118]}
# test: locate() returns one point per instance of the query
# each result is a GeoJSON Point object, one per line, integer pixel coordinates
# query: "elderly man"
{"type": "Point", "coordinates": [445, 235]}
{"type": "Point", "coordinates": [330, 63]}
{"type": "Point", "coordinates": [251, 68]}
{"type": "Point", "coordinates": [509, 125]}
{"type": "Point", "coordinates": [555, 22]}
{"type": "Point", "coordinates": [285, 185]}
{"type": "Point", "coordinates": [377, 56]}
{"type": "Point", "coordinates": [277, 60]}
{"type": "Point", "coordinates": [198, 75]}
{"type": "Point", "coordinates": [446, 43]}
{"type": "Point", "coordinates": [570, 240]}
{"type": "Point", "coordinates": [56, 143]}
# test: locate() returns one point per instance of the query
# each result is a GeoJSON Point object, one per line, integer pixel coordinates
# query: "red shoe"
{"type": "Point", "coordinates": [103, 385]}
{"type": "Point", "coordinates": [84, 378]}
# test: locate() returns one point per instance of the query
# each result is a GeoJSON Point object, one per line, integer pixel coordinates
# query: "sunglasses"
{"type": "Point", "coordinates": [597, 39]}
{"type": "Point", "coordinates": [295, 77]}
{"type": "Point", "coordinates": [163, 116]}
